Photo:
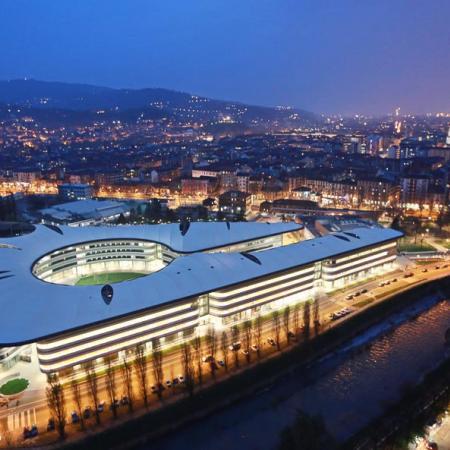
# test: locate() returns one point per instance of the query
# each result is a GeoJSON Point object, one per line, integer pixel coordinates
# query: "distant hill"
{"type": "Point", "coordinates": [154, 101]}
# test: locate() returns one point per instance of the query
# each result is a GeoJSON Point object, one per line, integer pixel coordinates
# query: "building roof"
{"type": "Point", "coordinates": [33, 309]}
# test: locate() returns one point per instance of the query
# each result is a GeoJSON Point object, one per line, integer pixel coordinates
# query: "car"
{"type": "Point", "coordinates": [394, 280]}
{"type": "Point", "coordinates": [349, 297]}
{"type": "Point", "coordinates": [169, 383]}
{"type": "Point", "coordinates": [381, 284]}
{"type": "Point", "coordinates": [357, 294]}
{"type": "Point", "coordinates": [221, 363]}
{"type": "Point", "coordinates": [424, 270]}
{"type": "Point", "coordinates": [74, 417]}
{"type": "Point", "coordinates": [291, 335]}
{"type": "Point", "coordinates": [437, 267]}
{"type": "Point", "coordinates": [34, 431]}
{"type": "Point", "coordinates": [254, 348]}
{"type": "Point", "coordinates": [181, 378]}
{"type": "Point", "coordinates": [245, 352]}
{"type": "Point", "coordinates": [115, 404]}
{"type": "Point", "coordinates": [387, 283]}
{"type": "Point", "coordinates": [432, 446]}
{"type": "Point", "coordinates": [445, 266]}
{"type": "Point", "coordinates": [364, 291]}
{"type": "Point", "coordinates": [124, 400]}
{"type": "Point", "coordinates": [235, 346]}
{"type": "Point", "coordinates": [51, 424]}
{"type": "Point", "coordinates": [208, 359]}
{"type": "Point", "coordinates": [101, 407]}
{"type": "Point", "coordinates": [271, 342]}
{"type": "Point", "coordinates": [87, 412]}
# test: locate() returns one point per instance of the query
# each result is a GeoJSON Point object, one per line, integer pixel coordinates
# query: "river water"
{"type": "Point", "coordinates": [347, 388]}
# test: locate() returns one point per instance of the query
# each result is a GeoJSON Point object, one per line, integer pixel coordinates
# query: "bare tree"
{"type": "Point", "coordinates": [92, 381]}
{"type": "Point", "coordinates": [224, 349]}
{"type": "Point", "coordinates": [141, 363]}
{"type": "Point", "coordinates": [212, 348]}
{"type": "Point", "coordinates": [197, 344]}
{"type": "Point", "coordinates": [258, 335]}
{"type": "Point", "coordinates": [286, 323]}
{"type": "Point", "coordinates": [247, 339]}
{"type": "Point", "coordinates": [188, 368]}
{"type": "Point", "coordinates": [235, 335]}
{"type": "Point", "coordinates": [157, 364]}
{"type": "Point", "coordinates": [307, 319]}
{"type": "Point", "coordinates": [111, 385]}
{"type": "Point", "coordinates": [276, 325]}
{"type": "Point", "coordinates": [56, 403]}
{"type": "Point", "coordinates": [76, 395]}
{"type": "Point", "coordinates": [127, 375]}
{"type": "Point", "coordinates": [296, 318]}
{"type": "Point", "coordinates": [316, 315]}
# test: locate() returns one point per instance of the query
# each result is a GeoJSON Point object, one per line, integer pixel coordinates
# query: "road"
{"type": "Point", "coordinates": [35, 411]}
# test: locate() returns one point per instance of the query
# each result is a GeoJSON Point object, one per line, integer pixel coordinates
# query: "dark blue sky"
{"type": "Point", "coordinates": [323, 55]}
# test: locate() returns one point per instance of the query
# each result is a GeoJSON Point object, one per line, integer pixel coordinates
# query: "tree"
{"type": "Point", "coordinates": [197, 344]}
{"type": "Point", "coordinates": [224, 349]}
{"type": "Point", "coordinates": [140, 362]}
{"type": "Point", "coordinates": [258, 335]}
{"type": "Point", "coordinates": [111, 386]}
{"type": "Point", "coordinates": [296, 318]}
{"type": "Point", "coordinates": [157, 364]}
{"type": "Point", "coordinates": [188, 368]}
{"type": "Point", "coordinates": [247, 327]}
{"type": "Point", "coordinates": [127, 375]}
{"type": "Point", "coordinates": [286, 322]}
{"type": "Point", "coordinates": [235, 335]}
{"type": "Point", "coordinates": [316, 315]}
{"type": "Point", "coordinates": [92, 382]}
{"type": "Point", "coordinates": [307, 319]}
{"type": "Point", "coordinates": [56, 403]}
{"type": "Point", "coordinates": [276, 326]}
{"type": "Point", "coordinates": [212, 347]}
{"type": "Point", "coordinates": [76, 395]}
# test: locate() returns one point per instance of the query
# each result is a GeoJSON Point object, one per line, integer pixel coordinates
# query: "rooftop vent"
{"type": "Point", "coordinates": [184, 226]}
{"type": "Point", "coordinates": [342, 238]}
{"type": "Point", "coordinates": [53, 228]}
{"type": "Point", "coordinates": [107, 293]}
{"type": "Point", "coordinates": [251, 257]}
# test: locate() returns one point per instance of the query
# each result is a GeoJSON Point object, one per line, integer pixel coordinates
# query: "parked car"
{"type": "Point", "coordinates": [87, 412]}
{"type": "Point", "coordinates": [235, 346]}
{"type": "Point", "coordinates": [271, 342]}
{"type": "Point", "coordinates": [101, 407]}
{"type": "Point", "coordinates": [124, 400]}
{"type": "Point", "coordinates": [254, 348]}
{"type": "Point", "coordinates": [51, 424]}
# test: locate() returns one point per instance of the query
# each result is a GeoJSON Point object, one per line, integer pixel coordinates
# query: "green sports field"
{"type": "Point", "coordinates": [107, 278]}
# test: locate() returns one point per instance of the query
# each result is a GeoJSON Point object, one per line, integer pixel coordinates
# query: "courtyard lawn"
{"type": "Point", "coordinates": [107, 278]}
{"type": "Point", "coordinates": [410, 246]}
{"type": "Point", "coordinates": [13, 387]}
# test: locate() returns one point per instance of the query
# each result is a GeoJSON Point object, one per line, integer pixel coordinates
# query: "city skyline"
{"type": "Point", "coordinates": [391, 54]}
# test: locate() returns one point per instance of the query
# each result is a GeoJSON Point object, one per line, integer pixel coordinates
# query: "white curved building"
{"type": "Point", "coordinates": [187, 280]}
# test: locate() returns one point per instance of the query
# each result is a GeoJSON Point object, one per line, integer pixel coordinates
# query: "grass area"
{"type": "Point", "coordinates": [444, 242]}
{"type": "Point", "coordinates": [363, 303]}
{"type": "Point", "coordinates": [104, 278]}
{"type": "Point", "coordinates": [412, 247]}
{"type": "Point", "coordinates": [15, 386]}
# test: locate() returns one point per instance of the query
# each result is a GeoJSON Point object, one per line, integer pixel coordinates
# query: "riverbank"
{"type": "Point", "coordinates": [244, 384]}
{"type": "Point", "coordinates": [408, 417]}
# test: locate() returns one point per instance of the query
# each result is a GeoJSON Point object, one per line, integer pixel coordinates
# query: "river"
{"type": "Point", "coordinates": [348, 388]}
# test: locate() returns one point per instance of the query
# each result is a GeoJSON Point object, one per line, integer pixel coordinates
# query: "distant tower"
{"type": "Point", "coordinates": [447, 141]}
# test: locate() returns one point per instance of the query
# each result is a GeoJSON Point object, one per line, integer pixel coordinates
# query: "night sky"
{"type": "Point", "coordinates": [334, 56]}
